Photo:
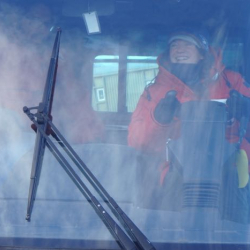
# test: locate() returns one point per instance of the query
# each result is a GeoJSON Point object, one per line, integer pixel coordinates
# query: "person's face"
{"type": "Point", "coordinates": [184, 52]}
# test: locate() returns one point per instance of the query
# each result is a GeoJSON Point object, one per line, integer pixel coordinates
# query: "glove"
{"type": "Point", "coordinates": [167, 107]}
{"type": "Point", "coordinates": [238, 105]}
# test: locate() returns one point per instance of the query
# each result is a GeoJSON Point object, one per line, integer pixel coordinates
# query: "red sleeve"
{"type": "Point", "coordinates": [144, 132]}
{"type": "Point", "coordinates": [238, 83]}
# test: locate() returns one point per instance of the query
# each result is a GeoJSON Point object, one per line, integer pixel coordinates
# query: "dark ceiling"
{"type": "Point", "coordinates": [148, 17]}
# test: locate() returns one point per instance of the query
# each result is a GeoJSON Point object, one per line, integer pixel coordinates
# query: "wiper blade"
{"type": "Point", "coordinates": [44, 126]}
{"type": "Point", "coordinates": [44, 107]}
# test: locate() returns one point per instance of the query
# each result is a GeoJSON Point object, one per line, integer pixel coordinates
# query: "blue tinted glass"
{"type": "Point", "coordinates": [158, 125]}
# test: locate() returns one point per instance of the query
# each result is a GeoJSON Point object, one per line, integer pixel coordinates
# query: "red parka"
{"type": "Point", "coordinates": [146, 134]}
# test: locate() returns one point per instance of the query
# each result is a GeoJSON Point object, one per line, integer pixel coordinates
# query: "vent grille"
{"type": "Point", "coordinates": [203, 194]}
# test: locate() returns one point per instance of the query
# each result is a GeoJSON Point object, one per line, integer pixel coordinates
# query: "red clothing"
{"type": "Point", "coordinates": [146, 134]}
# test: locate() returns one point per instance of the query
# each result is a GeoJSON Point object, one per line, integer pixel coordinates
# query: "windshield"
{"type": "Point", "coordinates": [154, 99]}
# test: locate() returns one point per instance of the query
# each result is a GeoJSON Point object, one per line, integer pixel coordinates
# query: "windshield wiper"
{"type": "Point", "coordinates": [43, 125]}
{"type": "Point", "coordinates": [44, 107]}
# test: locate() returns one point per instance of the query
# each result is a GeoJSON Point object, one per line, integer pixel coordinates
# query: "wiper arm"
{"type": "Point", "coordinates": [122, 239]}
{"type": "Point", "coordinates": [45, 127]}
{"type": "Point", "coordinates": [139, 238]}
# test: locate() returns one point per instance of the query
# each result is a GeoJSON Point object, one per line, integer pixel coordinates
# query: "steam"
{"type": "Point", "coordinates": [22, 66]}
{"type": "Point", "coordinates": [26, 40]}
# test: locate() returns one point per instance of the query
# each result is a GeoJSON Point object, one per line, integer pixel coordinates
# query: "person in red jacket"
{"type": "Point", "coordinates": [194, 71]}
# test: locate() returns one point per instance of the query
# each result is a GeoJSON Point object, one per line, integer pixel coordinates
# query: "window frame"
{"type": "Point", "coordinates": [123, 60]}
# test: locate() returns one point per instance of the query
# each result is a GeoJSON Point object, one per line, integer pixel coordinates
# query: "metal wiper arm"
{"type": "Point", "coordinates": [45, 127]}
{"type": "Point", "coordinates": [122, 239]}
{"type": "Point", "coordinates": [135, 233]}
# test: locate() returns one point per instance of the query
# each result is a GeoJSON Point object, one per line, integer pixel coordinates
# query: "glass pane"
{"type": "Point", "coordinates": [105, 84]}
{"type": "Point", "coordinates": [189, 187]}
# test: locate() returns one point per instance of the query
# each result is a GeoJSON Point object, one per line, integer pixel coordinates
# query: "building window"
{"type": "Point", "coordinates": [100, 94]}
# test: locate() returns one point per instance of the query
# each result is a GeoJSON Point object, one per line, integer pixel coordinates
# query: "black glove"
{"type": "Point", "coordinates": [167, 108]}
{"type": "Point", "coordinates": [238, 105]}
